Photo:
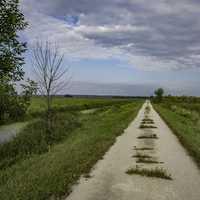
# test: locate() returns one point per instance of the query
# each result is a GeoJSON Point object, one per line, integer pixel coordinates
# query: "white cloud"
{"type": "Point", "coordinates": [150, 36]}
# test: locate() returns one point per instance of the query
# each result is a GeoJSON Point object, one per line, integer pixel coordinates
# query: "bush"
{"type": "Point", "coordinates": [14, 106]}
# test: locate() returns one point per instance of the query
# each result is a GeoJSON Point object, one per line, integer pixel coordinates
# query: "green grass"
{"type": "Point", "coordinates": [186, 129]}
{"type": "Point", "coordinates": [51, 174]}
{"type": "Point", "coordinates": [154, 172]}
{"type": "Point", "coordinates": [38, 104]}
{"type": "Point", "coordinates": [35, 139]}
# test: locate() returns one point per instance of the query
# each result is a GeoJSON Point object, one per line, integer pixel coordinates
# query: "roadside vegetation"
{"type": "Point", "coordinates": [182, 114]}
{"type": "Point", "coordinates": [34, 139]}
{"type": "Point", "coordinates": [42, 167]}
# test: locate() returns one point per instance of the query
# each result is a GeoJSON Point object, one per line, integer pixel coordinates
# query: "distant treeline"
{"type": "Point", "coordinates": [103, 96]}
{"type": "Point", "coordinates": [177, 99]}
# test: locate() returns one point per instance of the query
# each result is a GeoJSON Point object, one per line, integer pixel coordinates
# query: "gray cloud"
{"type": "Point", "coordinates": [157, 33]}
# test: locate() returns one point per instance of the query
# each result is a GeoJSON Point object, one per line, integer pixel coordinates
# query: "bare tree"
{"type": "Point", "coordinates": [52, 76]}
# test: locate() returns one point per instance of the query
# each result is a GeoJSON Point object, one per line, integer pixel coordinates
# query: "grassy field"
{"type": "Point", "coordinates": [184, 119]}
{"type": "Point", "coordinates": [41, 173]}
{"type": "Point", "coordinates": [38, 104]}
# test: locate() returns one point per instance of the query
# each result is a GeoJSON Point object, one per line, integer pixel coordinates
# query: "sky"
{"type": "Point", "coordinates": [120, 47]}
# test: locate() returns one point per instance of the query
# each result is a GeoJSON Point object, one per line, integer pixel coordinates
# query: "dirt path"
{"type": "Point", "coordinates": [109, 180]}
{"type": "Point", "coordinates": [7, 132]}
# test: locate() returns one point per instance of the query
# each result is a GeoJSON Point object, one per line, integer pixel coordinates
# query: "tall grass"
{"type": "Point", "coordinates": [35, 139]}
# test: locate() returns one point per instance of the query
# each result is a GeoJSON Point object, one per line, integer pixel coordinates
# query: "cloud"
{"type": "Point", "coordinates": [149, 35]}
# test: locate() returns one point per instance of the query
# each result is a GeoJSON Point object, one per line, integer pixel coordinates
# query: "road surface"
{"type": "Point", "coordinates": [109, 180]}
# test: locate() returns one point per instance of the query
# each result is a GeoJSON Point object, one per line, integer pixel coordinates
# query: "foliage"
{"type": "Point", "coordinates": [159, 94]}
{"type": "Point", "coordinates": [14, 106]}
{"type": "Point", "coordinates": [11, 49]}
{"type": "Point", "coordinates": [11, 61]}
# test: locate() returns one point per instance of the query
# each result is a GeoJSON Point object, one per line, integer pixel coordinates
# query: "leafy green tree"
{"type": "Point", "coordinates": [12, 21]}
{"type": "Point", "coordinates": [159, 94]}
{"type": "Point", "coordinates": [11, 49]}
{"type": "Point", "coordinates": [14, 106]}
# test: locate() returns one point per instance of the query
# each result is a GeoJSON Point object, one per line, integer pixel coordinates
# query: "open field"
{"type": "Point", "coordinates": [38, 104]}
{"type": "Point", "coordinates": [183, 117]}
{"type": "Point", "coordinates": [39, 167]}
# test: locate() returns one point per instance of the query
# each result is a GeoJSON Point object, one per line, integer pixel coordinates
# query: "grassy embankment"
{"type": "Point", "coordinates": [184, 120]}
{"type": "Point", "coordinates": [48, 167]}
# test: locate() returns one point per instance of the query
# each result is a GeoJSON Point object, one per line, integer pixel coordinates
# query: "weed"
{"type": "Point", "coordinates": [147, 160]}
{"type": "Point", "coordinates": [153, 136]}
{"type": "Point", "coordinates": [142, 126]}
{"type": "Point", "coordinates": [143, 148]}
{"type": "Point", "coordinates": [157, 172]}
{"type": "Point", "coordinates": [147, 108]}
{"type": "Point", "coordinates": [147, 123]}
{"type": "Point", "coordinates": [147, 119]}
{"type": "Point", "coordinates": [141, 155]}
